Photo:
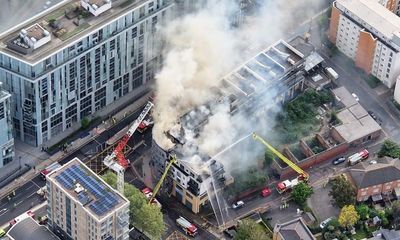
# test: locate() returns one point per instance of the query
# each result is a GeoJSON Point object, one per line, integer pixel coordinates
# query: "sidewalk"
{"type": "Point", "coordinates": [41, 159]}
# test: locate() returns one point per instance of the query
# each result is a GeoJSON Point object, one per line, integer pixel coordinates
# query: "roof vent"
{"type": "Point", "coordinates": [78, 188]}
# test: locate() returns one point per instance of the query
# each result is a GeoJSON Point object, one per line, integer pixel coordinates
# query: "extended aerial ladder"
{"type": "Point", "coordinates": [302, 174]}
{"type": "Point", "coordinates": [122, 163]}
{"type": "Point", "coordinates": [158, 186]}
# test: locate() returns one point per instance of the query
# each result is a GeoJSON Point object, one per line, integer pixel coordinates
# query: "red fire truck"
{"type": "Point", "coordinates": [189, 228]}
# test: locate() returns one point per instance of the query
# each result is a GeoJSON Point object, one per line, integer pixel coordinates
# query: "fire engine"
{"type": "Point", "coordinates": [358, 157]}
{"type": "Point", "coordinates": [189, 228]}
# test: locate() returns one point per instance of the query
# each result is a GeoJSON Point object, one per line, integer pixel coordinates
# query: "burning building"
{"type": "Point", "coordinates": [275, 75]}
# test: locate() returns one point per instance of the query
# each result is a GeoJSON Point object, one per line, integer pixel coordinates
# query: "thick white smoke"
{"type": "Point", "coordinates": [201, 49]}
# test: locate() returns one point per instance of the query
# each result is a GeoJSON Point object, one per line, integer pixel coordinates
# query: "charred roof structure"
{"type": "Point", "coordinates": [270, 78]}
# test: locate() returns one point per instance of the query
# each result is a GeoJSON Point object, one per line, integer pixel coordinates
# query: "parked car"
{"type": "Point", "coordinates": [2, 232]}
{"type": "Point", "coordinates": [339, 161]}
{"type": "Point", "coordinates": [237, 204]}
{"type": "Point", "coordinates": [372, 114]}
{"type": "Point", "coordinates": [373, 162]}
{"type": "Point", "coordinates": [323, 224]}
{"type": "Point", "coordinates": [266, 192]}
{"type": "Point", "coordinates": [355, 97]}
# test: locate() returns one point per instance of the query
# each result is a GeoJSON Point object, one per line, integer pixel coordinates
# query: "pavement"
{"type": "Point", "coordinates": [26, 186]}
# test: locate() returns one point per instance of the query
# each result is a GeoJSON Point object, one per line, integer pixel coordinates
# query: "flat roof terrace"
{"type": "Point", "coordinates": [67, 22]}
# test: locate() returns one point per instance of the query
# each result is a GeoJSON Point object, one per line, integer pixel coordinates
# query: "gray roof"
{"type": "Point", "coordinates": [366, 175]}
{"type": "Point", "coordinates": [295, 229]}
{"type": "Point", "coordinates": [385, 234]}
{"type": "Point", "coordinates": [28, 229]}
{"type": "Point", "coordinates": [374, 14]}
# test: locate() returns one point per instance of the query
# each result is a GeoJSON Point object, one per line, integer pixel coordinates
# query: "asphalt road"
{"type": "Point", "coordinates": [26, 197]}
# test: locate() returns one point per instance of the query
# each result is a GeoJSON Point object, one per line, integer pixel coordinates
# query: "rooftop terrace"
{"type": "Point", "coordinates": [87, 188]}
{"type": "Point", "coordinates": [66, 22]}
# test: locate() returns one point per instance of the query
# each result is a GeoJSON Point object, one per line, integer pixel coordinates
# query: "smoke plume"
{"type": "Point", "coordinates": [201, 48]}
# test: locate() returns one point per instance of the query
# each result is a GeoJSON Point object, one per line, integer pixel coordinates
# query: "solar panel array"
{"type": "Point", "coordinates": [105, 200]}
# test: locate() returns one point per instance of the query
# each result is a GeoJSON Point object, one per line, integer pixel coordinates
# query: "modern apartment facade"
{"type": "Point", "coordinates": [76, 58]}
{"type": "Point", "coordinates": [80, 205]}
{"type": "Point", "coordinates": [6, 136]}
{"type": "Point", "coordinates": [369, 34]}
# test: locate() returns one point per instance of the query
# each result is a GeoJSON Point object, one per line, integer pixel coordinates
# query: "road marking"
{"type": "Point", "coordinates": [30, 195]}
{"type": "Point", "coordinates": [19, 202]}
{"type": "Point", "coordinates": [35, 184]}
{"type": "Point", "coordinates": [3, 211]}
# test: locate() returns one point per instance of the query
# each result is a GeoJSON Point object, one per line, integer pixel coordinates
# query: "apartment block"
{"type": "Point", "coordinates": [274, 75]}
{"type": "Point", "coordinates": [391, 5]}
{"type": "Point", "coordinates": [76, 58]}
{"type": "Point", "coordinates": [80, 205]}
{"type": "Point", "coordinates": [6, 136]}
{"type": "Point", "coordinates": [369, 34]}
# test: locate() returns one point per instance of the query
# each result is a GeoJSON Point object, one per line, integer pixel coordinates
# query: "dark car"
{"type": "Point", "coordinates": [372, 114]}
{"type": "Point", "coordinates": [339, 161]}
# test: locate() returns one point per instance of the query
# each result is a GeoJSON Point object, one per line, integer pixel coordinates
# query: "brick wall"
{"type": "Point", "coordinates": [313, 160]}
{"type": "Point", "coordinates": [365, 193]}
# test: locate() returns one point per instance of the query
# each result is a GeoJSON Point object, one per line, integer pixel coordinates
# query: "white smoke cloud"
{"type": "Point", "coordinates": [201, 49]}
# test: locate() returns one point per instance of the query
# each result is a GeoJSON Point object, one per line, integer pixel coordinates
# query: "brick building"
{"type": "Point", "coordinates": [375, 180]}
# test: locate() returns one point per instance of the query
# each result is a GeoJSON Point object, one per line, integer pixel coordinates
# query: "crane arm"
{"type": "Point", "coordinates": [118, 151]}
{"type": "Point", "coordinates": [281, 156]}
{"type": "Point", "coordinates": [158, 186]}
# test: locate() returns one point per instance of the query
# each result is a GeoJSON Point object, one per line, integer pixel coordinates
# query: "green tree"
{"type": "Point", "coordinates": [269, 157]}
{"type": "Point", "coordinates": [342, 192]}
{"type": "Point", "coordinates": [250, 230]}
{"type": "Point", "coordinates": [389, 149]}
{"type": "Point", "coordinates": [144, 216]}
{"type": "Point", "coordinates": [396, 213]}
{"type": "Point", "coordinates": [85, 122]}
{"type": "Point", "coordinates": [348, 216]}
{"type": "Point", "coordinates": [363, 211]}
{"type": "Point", "coordinates": [301, 192]}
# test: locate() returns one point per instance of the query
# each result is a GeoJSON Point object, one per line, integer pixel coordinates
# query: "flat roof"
{"type": "Point", "coordinates": [344, 96]}
{"type": "Point", "coordinates": [71, 32]}
{"type": "Point", "coordinates": [28, 229]}
{"type": "Point", "coordinates": [374, 14]}
{"type": "Point", "coordinates": [354, 128]}
{"type": "Point", "coordinates": [14, 12]}
{"type": "Point", "coordinates": [95, 195]}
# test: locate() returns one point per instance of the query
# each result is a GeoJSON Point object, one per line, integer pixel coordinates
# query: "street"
{"type": "Point", "coordinates": [25, 195]}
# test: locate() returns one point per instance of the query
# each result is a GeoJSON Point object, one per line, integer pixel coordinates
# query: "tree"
{"type": "Point", "coordinates": [396, 213]}
{"type": "Point", "coordinates": [142, 215]}
{"type": "Point", "coordinates": [363, 211]}
{"type": "Point", "coordinates": [342, 192]}
{"type": "Point", "coordinates": [389, 149]}
{"type": "Point", "coordinates": [269, 157]}
{"type": "Point", "coordinates": [348, 216]}
{"type": "Point", "coordinates": [301, 192]}
{"type": "Point", "coordinates": [85, 122]}
{"type": "Point", "coordinates": [250, 230]}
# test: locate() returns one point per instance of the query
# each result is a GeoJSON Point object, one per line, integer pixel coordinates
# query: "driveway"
{"type": "Point", "coordinates": [320, 203]}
